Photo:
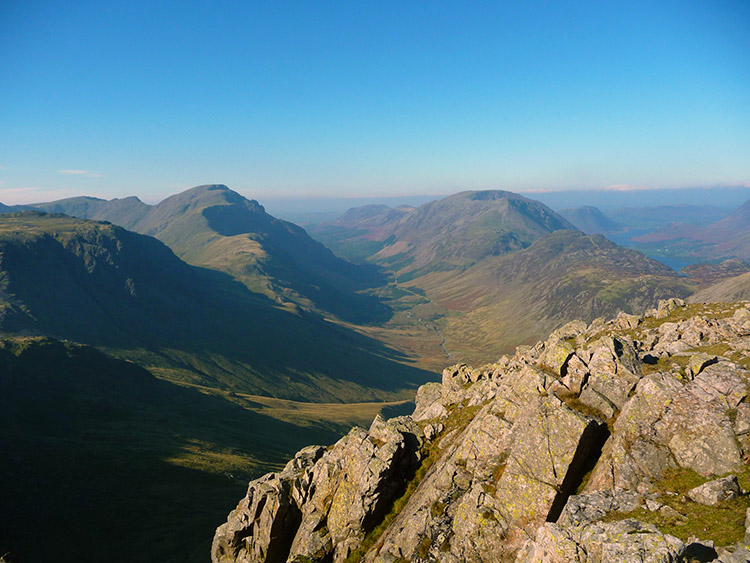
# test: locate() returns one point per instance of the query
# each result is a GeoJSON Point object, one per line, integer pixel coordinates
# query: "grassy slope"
{"type": "Point", "coordinates": [105, 462]}
{"type": "Point", "coordinates": [459, 230]}
{"type": "Point", "coordinates": [129, 294]}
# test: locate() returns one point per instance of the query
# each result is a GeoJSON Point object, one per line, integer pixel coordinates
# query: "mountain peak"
{"type": "Point", "coordinates": [488, 195]}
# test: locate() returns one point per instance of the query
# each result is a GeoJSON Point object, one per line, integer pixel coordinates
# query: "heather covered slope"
{"type": "Point", "coordinates": [515, 298]}
{"type": "Point", "coordinates": [486, 271]}
{"type": "Point", "coordinates": [736, 288]}
{"type": "Point", "coordinates": [449, 233]}
{"type": "Point", "coordinates": [100, 284]}
{"type": "Point", "coordinates": [460, 230]}
{"type": "Point", "coordinates": [215, 227]}
{"type": "Point", "coordinates": [624, 440]}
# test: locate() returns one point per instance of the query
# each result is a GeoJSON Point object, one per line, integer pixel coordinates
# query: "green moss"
{"type": "Point", "coordinates": [437, 508]}
{"type": "Point", "coordinates": [423, 549]}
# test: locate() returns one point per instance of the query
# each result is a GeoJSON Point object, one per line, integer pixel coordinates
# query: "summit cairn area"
{"type": "Point", "coordinates": [621, 440]}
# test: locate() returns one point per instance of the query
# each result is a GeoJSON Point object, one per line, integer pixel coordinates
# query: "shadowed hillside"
{"type": "Point", "coordinates": [100, 284]}
{"type": "Point", "coordinates": [113, 464]}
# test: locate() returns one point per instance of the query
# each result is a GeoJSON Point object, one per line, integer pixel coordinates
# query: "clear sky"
{"type": "Point", "coordinates": [282, 99]}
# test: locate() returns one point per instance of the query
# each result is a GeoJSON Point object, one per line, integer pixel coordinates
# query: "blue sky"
{"type": "Point", "coordinates": [285, 99]}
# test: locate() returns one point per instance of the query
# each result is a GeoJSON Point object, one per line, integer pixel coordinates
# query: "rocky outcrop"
{"type": "Point", "coordinates": [574, 449]}
{"type": "Point", "coordinates": [323, 502]}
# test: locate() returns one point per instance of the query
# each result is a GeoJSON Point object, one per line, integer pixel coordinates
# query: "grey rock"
{"type": "Point", "coordinates": [737, 554]}
{"type": "Point", "coordinates": [714, 492]}
{"type": "Point", "coordinates": [614, 370]}
{"type": "Point", "coordinates": [697, 427]}
{"type": "Point", "coordinates": [262, 526]}
{"type": "Point", "coordinates": [427, 402]}
{"type": "Point", "coordinates": [581, 509]}
{"type": "Point", "coordinates": [666, 306]}
{"type": "Point", "coordinates": [626, 540]}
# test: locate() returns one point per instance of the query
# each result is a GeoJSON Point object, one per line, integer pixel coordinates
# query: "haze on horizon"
{"type": "Point", "coordinates": [334, 99]}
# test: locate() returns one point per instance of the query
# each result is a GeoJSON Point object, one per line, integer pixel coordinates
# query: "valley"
{"type": "Point", "coordinates": [205, 346]}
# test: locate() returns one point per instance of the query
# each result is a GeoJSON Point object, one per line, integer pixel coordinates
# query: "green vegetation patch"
{"type": "Point", "coordinates": [723, 523]}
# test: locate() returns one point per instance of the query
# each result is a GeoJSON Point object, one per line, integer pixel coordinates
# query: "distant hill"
{"type": "Point", "coordinates": [215, 227]}
{"type": "Point", "coordinates": [125, 212]}
{"type": "Point", "coordinates": [13, 208]}
{"type": "Point", "coordinates": [591, 220]}
{"type": "Point", "coordinates": [726, 238]}
{"type": "Point", "coordinates": [707, 274]}
{"type": "Point", "coordinates": [100, 284]}
{"type": "Point", "coordinates": [462, 229]}
{"type": "Point", "coordinates": [453, 232]}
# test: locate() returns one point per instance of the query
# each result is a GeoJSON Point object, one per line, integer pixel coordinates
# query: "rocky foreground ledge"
{"type": "Point", "coordinates": [625, 440]}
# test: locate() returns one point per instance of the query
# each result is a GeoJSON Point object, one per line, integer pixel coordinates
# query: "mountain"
{"type": "Point", "coordinates": [446, 234]}
{"type": "Point", "coordinates": [460, 230]}
{"type": "Point", "coordinates": [114, 464]}
{"type": "Point", "coordinates": [125, 212]}
{"type": "Point", "coordinates": [13, 208]}
{"type": "Point", "coordinates": [100, 284]}
{"type": "Point", "coordinates": [361, 231]}
{"type": "Point", "coordinates": [215, 227]}
{"type": "Point", "coordinates": [726, 238]}
{"type": "Point", "coordinates": [707, 274]}
{"type": "Point", "coordinates": [622, 440]}
{"type": "Point", "coordinates": [591, 221]}
{"type": "Point", "coordinates": [483, 272]}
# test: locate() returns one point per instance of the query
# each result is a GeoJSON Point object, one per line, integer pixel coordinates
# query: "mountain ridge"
{"type": "Point", "coordinates": [213, 226]}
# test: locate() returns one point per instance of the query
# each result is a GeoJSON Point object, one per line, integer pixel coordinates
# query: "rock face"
{"type": "Point", "coordinates": [545, 456]}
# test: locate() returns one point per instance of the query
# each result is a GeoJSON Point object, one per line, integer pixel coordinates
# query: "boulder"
{"type": "Point", "coordinates": [614, 370]}
{"type": "Point", "coordinates": [428, 403]}
{"type": "Point", "coordinates": [714, 492]}
{"type": "Point", "coordinates": [581, 509]}
{"type": "Point", "coordinates": [626, 540]}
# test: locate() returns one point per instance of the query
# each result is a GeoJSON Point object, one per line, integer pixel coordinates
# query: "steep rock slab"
{"type": "Point", "coordinates": [635, 452]}
{"type": "Point", "coordinates": [698, 428]}
{"type": "Point", "coordinates": [323, 502]}
{"type": "Point", "coordinates": [545, 465]}
{"type": "Point", "coordinates": [427, 523]}
{"type": "Point", "coordinates": [614, 371]}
